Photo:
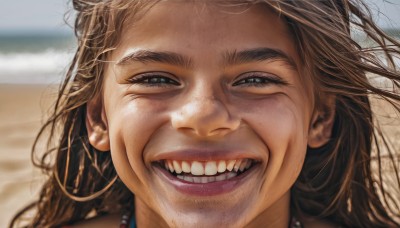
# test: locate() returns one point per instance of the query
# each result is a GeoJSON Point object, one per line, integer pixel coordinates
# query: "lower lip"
{"type": "Point", "coordinates": [206, 189]}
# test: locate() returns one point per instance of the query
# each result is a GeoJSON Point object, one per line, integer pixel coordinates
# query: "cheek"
{"type": "Point", "coordinates": [281, 123]}
{"type": "Point", "coordinates": [131, 124]}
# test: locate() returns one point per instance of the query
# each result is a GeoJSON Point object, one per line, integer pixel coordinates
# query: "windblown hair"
{"type": "Point", "coordinates": [341, 182]}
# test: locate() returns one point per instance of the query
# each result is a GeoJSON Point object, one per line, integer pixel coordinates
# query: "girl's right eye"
{"type": "Point", "coordinates": [154, 79]}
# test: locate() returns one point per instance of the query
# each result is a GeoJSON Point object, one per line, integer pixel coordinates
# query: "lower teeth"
{"type": "Point", "coordinates": [207, 179]}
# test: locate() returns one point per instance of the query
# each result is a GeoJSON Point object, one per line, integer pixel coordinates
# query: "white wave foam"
{"type": "Point", "coordinates": [33, 68]}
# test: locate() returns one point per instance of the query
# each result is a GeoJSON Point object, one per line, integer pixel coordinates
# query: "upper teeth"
{"type": "Point", "coordinates": [198, 168]}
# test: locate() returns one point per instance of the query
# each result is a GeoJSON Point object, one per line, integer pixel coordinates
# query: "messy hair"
{"type": "Point", "coordinates": [341, 182]}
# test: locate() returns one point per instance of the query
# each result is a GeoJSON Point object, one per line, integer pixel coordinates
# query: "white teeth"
{"type": "Point", "coordinates": [230, 165]}
{"type": "Point", "coordinates": [243, 165]}
{"type": "Point", "coordinates": [170, 166]}
{"type": "Point", "coordinates": [197, 168]}
{"type": "Point", "coordinates": [197, 179]}
{"type": "Point", "coordinates": [211, 168]}
{"type": "Point", "coordinates": [189, 179]}
{"type": "Point", "coordinates": [230, 175]}
{"type": "Point", "coordinates": [220, 177]}
{"type": "Point", "coordinates": [177, 166]}
{"type": "Point", "coordinates": [237, 165]}
{"type": "Point", "coordinates": [221, 166]}
{"type": "Point", "coordinates": [185, 167]}
{"type": "Point", "coordinates": [248, 164]}
{"type": "Point", "coordinates": [207, 179]}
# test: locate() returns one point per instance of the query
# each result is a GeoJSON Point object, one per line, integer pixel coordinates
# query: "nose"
{"type": "Point", "coordinates": [204, 117]}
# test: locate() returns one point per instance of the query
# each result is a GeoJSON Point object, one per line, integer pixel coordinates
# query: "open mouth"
{"type": "Point", "coordinates": [207, 171]}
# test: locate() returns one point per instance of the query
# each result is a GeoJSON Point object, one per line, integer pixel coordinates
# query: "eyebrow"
{"type": "Point", "coordinates": [229, 57]}
{"type": "Point", "coordinates": [145, 56]}
{"type": "Point", "coordinates": [258, 55]}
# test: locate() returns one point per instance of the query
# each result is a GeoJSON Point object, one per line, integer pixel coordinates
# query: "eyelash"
{"type": "Point", "coordinates": [259, 80]}
{"type": "Point", "coordinates": [153, 79]}
{"type": "Point", "coordinates": [253, 79]}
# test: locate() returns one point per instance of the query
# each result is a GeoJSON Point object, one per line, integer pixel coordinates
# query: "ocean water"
{"type": "Point", "coordinates": [44, 58]}
{"type": "Point", "coordinates": [35, 58]}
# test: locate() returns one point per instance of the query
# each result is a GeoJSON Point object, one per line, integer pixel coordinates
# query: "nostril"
{"type": "Point", "coordinates": [189, 131]}
{"type": "Point", "coordinates": [201, 132]}
{"type": "Point", "coordinates": [220, 131]}
{"type": "Point", "coordinates": [207, 131]}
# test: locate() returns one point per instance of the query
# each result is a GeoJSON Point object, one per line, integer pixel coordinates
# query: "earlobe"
{"type": "Point", "coordinates": [96, 125]}
{"type": "Point", "coordinates": [320, 131]}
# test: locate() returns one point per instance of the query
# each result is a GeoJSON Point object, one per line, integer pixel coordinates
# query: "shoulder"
{"type": "Point", "coordinates": [109, 221]}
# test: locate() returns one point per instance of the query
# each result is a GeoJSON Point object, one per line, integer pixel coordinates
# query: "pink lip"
{"type": "Point", "coordinates": [208, 189]}
{"type": "Point", "coordinates": [204, 155]}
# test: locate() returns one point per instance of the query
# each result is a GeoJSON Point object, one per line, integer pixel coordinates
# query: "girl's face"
{"type": "Point", "coordinates": [206, 115]}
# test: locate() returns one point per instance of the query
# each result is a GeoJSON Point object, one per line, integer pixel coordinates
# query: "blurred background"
{"type": "Point", "coordinates": [35, 42]}
{"type": "Point", "coordinates": [36, 46]}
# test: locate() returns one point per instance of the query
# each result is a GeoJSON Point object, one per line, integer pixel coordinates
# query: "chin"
{"type": "Point", "coordinates": [207, 219]}
{"type": "Point", "coordinates": [210, 213]}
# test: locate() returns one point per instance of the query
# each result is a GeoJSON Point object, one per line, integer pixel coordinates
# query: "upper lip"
{"type": "Point", "coordinates": [207, 154]}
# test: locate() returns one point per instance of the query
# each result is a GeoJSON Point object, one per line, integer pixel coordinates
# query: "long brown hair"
{"type": "Point", "coordinates": [337, 183]}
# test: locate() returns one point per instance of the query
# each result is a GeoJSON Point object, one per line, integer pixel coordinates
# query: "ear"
{"type": "Point", "coordinates": [96, 124]}
{"type": "Point", "coordinates": [320, 131]}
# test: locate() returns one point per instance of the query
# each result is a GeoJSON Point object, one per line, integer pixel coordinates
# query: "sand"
{"type": "Point", "coordinates": [22, 111]}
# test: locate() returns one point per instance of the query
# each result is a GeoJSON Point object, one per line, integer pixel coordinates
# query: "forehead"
{"type": "Point", "coordinates": [213, 24]}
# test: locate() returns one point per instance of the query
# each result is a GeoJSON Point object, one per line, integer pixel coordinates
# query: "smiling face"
{"type": "Point", "coordinates": [206, 116]}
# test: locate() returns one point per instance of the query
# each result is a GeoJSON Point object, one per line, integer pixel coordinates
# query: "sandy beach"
{"type": "Point", "coordinates": [22, 111]}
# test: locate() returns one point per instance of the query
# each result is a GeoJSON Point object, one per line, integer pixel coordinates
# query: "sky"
{"type": "Point", "coordinates": [47, 15]}
{"type": "Point", "coordinates": [33, 15]}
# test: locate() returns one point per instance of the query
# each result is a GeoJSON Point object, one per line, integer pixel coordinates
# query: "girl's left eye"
{"type": "Point", "coordinates": [153, 79]}
{"type": "Point", "coordinates": [258, 80]}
